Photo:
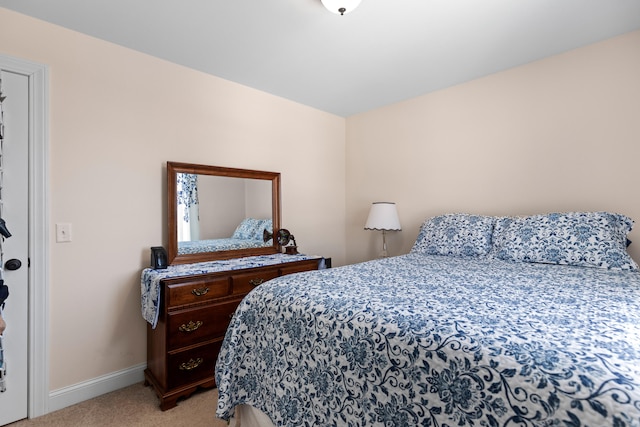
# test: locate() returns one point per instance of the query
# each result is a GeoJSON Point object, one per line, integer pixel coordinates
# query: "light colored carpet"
{"type": "Point", "coordinates": [135, 406]}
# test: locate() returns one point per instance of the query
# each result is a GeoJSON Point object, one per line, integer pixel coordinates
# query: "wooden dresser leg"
{"type": "Point", "coordinates": [168, 403]}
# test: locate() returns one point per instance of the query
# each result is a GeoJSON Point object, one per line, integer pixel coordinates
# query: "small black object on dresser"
{"type": "Point", "coordinates": [158, 257]}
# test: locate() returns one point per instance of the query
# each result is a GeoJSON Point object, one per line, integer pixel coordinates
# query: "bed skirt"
{"type": "Point", "coordinates": [248, 416]}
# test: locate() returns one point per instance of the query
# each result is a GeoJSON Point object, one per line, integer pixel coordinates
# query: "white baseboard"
{"type": "Point", "coordinates": [80, 392]}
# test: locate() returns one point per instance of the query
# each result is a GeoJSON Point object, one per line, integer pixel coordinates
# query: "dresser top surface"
{"type": "Point", "coordinates": [150, 279]}
{"type": "Point", "coordinates": [222, 265]}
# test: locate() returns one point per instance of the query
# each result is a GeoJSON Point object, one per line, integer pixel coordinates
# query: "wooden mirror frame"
{"type": "Point", "coordinates": [173, 168]}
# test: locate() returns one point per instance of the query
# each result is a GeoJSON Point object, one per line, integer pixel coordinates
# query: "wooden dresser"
{"type": "Point", "coordinates": [193, 314]}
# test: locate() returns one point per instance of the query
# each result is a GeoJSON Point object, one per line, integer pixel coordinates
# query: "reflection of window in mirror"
{"type": "Point", "coordinates": [188, 215]}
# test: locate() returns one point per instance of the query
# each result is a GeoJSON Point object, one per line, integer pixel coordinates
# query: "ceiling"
{"type": "Point", "coordinates": [383, 52]}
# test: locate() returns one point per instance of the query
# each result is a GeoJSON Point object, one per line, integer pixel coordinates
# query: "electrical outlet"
{"type": "Point", "coordinates": [63, 232]}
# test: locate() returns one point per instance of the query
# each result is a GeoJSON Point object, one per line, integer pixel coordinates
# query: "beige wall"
{"type": "Point", "coordinates": [558, 134]}
{"type": "Point", "coordinates": [116, 118]}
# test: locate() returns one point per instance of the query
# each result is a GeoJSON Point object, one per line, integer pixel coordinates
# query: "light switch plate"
{"type": "Point", "coordinates": [63, 232]}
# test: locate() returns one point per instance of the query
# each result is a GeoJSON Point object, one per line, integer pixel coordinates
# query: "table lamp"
{"type": "Point", "coordinates": [383, 216]}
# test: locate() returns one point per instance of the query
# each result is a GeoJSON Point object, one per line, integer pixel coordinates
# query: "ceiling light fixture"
{"type": "Point", "coordinates": [340, 7]}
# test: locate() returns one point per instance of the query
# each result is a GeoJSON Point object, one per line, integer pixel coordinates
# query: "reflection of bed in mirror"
{"type": "Point", "coordinates": [248, 234]}
{"type": "Point", "coordinates": [213, 245]}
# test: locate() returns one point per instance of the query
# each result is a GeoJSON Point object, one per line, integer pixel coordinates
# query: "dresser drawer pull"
{"type": "Point", "coordinates": [256, 282]}
{"type": "Point", "coordinates": [200, 291]}
{"type": "Point", "coordinates": [191, 326]}
{"type": "Point", "coordinates": [191, 364]}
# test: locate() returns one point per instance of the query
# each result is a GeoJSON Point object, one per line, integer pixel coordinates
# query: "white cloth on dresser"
{"type": "Point", "coordinates": [150, 281]}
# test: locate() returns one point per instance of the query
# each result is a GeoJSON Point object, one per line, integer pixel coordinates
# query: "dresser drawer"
{"type": "Point", "coordinates": [196, 291]}
{"type": "Point", "coordinates": [188, 327]}
{"type": "Point", "coordinates": [243, 283]}
{"type": "Point", "coordinates": [193, 364]}
{"type": "Point", "coordinates": [297, 267]}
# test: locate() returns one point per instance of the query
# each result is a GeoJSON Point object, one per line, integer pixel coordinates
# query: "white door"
{"type": "Point", "coordinates": [15, 212]}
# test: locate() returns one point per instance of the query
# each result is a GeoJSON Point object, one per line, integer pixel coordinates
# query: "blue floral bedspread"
{"type": "Point", "coordinates": [214, 245]}
{"type": "Point", "coordinates": [420, 340]}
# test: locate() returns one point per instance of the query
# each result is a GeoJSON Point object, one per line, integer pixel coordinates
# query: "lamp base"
{"type": "Point", "coordinates": [384, 252]}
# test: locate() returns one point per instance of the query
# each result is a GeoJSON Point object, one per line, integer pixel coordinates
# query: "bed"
{"type": "Point", "coordinates": [248, 234]}
{"type": "Point", "coordinates": [527, 321]}
{"type": "Point", "coordinates": [215, 245]}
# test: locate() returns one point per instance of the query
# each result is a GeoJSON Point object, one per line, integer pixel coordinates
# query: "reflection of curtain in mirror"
{"type": "Point", "coordinates": [188, 216]}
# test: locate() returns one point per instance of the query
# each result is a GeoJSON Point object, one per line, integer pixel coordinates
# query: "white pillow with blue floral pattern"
{"type": "Point", "coordinates": [586, 239]}
{"type": "Point", "coordinates": [247, 229]}
{"type": "Point", "coordinates": [461, 235]}
{"type": "Point", "coordinates": [263, 224]}
{"type": "Point", "coordinates": [252, 229]}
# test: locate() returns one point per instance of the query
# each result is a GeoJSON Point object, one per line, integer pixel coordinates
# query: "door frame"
{"type": "Point", "coordinates": [38, 340]}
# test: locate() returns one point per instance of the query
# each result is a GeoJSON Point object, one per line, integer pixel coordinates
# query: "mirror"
{"type": "Point", "coordinates": [220, 213]}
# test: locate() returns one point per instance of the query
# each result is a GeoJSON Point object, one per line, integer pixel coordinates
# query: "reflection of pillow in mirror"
{"type": "Point", "coordinates": [263, 224]}
{"type": "Point", "coordinates": [247, 229]}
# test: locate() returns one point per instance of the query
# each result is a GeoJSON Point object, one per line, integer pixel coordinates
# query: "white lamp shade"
{"type": "Point", "coordinates": [335, 5]}
{"type": "Point", "coordinates": [383, 216]}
